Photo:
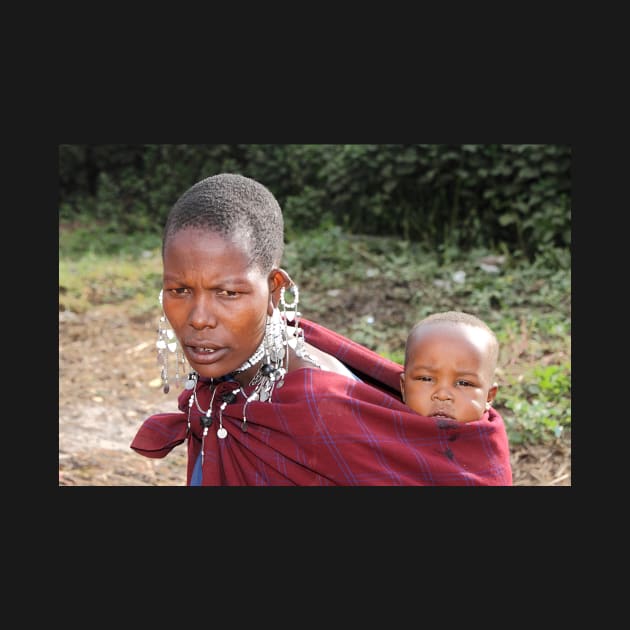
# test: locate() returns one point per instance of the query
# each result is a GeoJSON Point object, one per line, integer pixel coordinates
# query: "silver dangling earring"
{"type": "Point", "coordinates": [488, 405]}
{"type": "Point", "coordinates": [275, 341]}
{"type": "Point", "coordinates": [275, 361]}
{"type": "Point", "coordinates": [291, 314]}
{"type": "Point", "coordinates": [289, 310]}
{"type": "Point", "coordinates": [167, 344]}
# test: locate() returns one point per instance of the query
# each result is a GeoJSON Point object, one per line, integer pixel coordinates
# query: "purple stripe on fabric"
{"type": "Point", "coordinates": [155, 424]}
{"type": "Point", "coordinates": [328, 440]}
{"type": "Point", "coordinates": [372, 439]}
{"type": "Point", "coordinates": [494, 469]}
{"type": "Point", "coordinates": [425, 469]}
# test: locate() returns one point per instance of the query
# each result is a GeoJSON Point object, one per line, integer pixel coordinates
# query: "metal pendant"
{"type": "Point", "coordinates": [222, 433]}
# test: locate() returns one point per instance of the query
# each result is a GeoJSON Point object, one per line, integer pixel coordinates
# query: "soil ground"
{"type": "Point", "coordinates": [109, 383]}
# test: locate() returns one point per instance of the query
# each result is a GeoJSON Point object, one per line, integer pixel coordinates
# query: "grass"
{"type": "Point", "coordinates": [372, 289]}
{"type": "Point", "coordinates": [102, 279]}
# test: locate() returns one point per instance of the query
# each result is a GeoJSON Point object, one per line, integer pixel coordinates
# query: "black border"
{"type": "Point", "coordinates": [307, 517]}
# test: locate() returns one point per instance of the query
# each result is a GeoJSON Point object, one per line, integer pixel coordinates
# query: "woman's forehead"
{"type": "Point", "coordinates": [191, 248]}
{"type": "Point", "coordinates": [200, 241]}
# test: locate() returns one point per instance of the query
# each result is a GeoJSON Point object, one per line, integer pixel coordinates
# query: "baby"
{"type": "Point", "coordinates": [450, 360]}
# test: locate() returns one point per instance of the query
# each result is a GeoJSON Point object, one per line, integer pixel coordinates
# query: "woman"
{"type": "Point", "coordinates": [273, 399]}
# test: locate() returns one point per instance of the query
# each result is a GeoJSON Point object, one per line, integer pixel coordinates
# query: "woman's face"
{"type": "Point", "coordinates": [216, 302]}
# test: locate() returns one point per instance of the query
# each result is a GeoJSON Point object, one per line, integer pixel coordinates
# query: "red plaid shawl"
{"type": "Point", "coordinates": [326, 429]}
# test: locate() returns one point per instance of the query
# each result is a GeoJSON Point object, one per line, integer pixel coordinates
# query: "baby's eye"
{"type": "Point", "coordinates": [463, 383]}
{"type": "Point", "coordinates": [426, 379]}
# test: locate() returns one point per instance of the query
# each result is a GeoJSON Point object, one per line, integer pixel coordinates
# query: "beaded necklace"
{"type": "Point", "coordinates": [268, 376]}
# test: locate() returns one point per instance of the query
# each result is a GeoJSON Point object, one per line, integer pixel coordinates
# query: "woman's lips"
{"type": "Point", "coordinates": [204, 355]}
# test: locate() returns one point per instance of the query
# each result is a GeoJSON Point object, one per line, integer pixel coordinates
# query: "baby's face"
{"type": "Point", "coordinates": [448, 372]}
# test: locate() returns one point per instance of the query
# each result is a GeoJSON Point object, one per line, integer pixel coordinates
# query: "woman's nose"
{"type": "Point", "coordinates": [202, 313]}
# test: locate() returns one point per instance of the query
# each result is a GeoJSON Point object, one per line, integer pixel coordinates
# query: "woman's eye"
{"type": "Point", "coordinates": [226, 293]}
{"type": "Point", "coordinates": [177, 291]}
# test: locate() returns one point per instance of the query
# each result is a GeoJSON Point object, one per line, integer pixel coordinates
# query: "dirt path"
{"type": "Point", "coordinates": [109, 383]}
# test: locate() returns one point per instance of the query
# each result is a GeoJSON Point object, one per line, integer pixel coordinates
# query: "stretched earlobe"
{"type": "Point", "coordinates": [278, 278]}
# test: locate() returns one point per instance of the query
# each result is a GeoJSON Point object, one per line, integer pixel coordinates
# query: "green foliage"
{"type": "Point", "coordinates": [94, 279]}
{"type": "Point", "coordinates": [538, 403]}
{"type": "Point", "coordinates": [79, 240]}
{"type": "Point", "coordinates": [448, 197]}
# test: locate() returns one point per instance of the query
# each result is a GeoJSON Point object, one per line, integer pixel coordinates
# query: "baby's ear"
{"type": "Point", "coordinates": [492, 392]}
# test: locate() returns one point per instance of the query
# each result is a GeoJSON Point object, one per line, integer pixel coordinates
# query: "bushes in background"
{"type": "Point", "coordinates": [515, 197]}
